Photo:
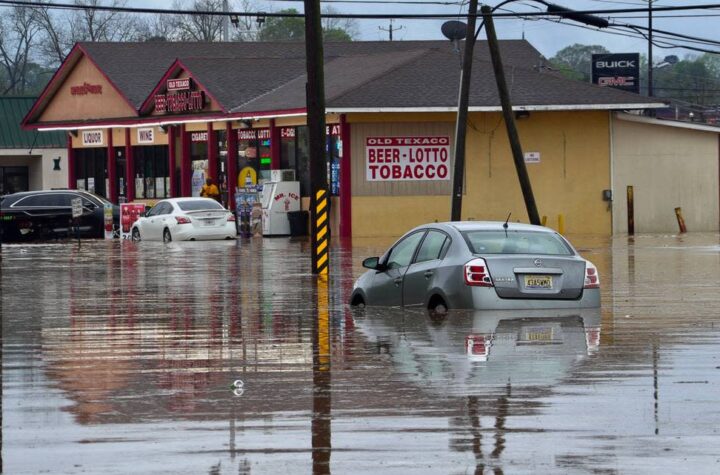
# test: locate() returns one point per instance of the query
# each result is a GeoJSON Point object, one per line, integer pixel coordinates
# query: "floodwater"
{"type": "Point", "coordinates": [215, 358]}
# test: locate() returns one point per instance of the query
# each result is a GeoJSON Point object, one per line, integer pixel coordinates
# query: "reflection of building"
{"type": "Point", "coordinates": [153, 117]}
{"type": "Point", "coordinates": [29, 160]}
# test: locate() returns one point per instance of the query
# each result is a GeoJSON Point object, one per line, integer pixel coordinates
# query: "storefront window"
{"type": "Point", "coordinates": [13, 180]}
{"type": "Point", "coordinates": [254, 153]}
{"type": "Point", "coordinates": [198, 160]}
{"type": "Point", "coordinates": [90, 170]}
{"type": "Point", "coordinates": [152, 179]}
{"type": "Point", "coordinates": [287, 148]}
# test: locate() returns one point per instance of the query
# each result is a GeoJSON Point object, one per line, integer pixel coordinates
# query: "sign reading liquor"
{"type": "Point", "coordinates": [92, 138]}
{"type": "Point", "coordinates": [619, 71]}
{"type": "Point", "coordinates": [407, 158]}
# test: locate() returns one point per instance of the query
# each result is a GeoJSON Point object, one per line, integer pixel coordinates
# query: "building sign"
{"type": "Point", "coordinates": [332, 130]}
{"type": "Point", "coordinates": [85, 89]}
{"type": "Point", "coordinates": [532, 157]}
{"type": "Point", "coordinates": [407, 158]}
{"type": "Point", "coordinates": [199, 137]}
{"type": "Point", "coordinates": [146, 135]}
{"type": "Point", "coordinates": [178, 84]}
{"type": "Point", "coordinates": [287, 132]}
{"type": "Point", "coordinates": [619, 71]}
{"type": "Point", "coordinates": [251, 134]}
{"type": "Point", "coordinates": [92, 138]}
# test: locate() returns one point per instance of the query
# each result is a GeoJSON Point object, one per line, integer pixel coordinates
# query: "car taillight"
{"type": "Point", "coordinates": [231, 218]}
{"type": "Point", "coordinates": [182, 220]}
{"type": "Point", "coordinates": [592, 278]}
{"type": "Point", "coordinates": [477, 273]}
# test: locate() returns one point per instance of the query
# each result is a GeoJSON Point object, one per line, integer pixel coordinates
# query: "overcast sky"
{"type": "Point", "coordinates": [545, 35]}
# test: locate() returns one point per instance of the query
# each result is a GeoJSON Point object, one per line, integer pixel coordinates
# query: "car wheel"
{"type": "Point", "coordinates": [437, 306]}
{"type": "Point", "coordinates": [135, 235]}
{"type": "Point", "coordinates": [167, 237]}
{"type": "Point", "coordinates": [358, 301]}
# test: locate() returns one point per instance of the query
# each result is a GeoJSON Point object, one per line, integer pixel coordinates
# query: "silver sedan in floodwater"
{"type": "Point", "coordinates": [479, 265]}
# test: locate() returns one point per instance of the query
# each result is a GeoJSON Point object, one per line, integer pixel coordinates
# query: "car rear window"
{"type": "Point", "coordinates": [516, 242]}
{"type": "Point", "coordinates": [197, 205]}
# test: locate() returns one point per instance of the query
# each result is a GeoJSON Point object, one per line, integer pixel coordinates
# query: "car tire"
{"type": "Point", "coordinates": [167, 237]}
{"type": "Point", "coordinates": [135, 235]}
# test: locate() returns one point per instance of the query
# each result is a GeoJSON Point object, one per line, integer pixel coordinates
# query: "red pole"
{"type": "Point", "coordinates": [345, 186]}
{"type": "Point", "coordinates": [274, 146]}
{"type": "Point", "coordinates": [111, 169]}
{"type": "Point", "coordinates": [72, 178]}
{"type": "Point", "coordinates": [185, 165]}
{"type": "Point", "coordinates": [212, 153]}
{"type": "Point", "coordinates": [129, 168]}
{"type": "Point", "coordinates": [232, 149]}
{"type": "Point", "coordinates": [171, 160]}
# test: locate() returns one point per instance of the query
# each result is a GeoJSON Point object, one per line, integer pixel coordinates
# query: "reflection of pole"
{"type": "Point", "coordinates": [655, 386]}
{"type": "Point", "coordinates": [322, 402]}
{"type": "Point", "coordinates": [630, 211]}
{"type": "Point", "coordinates": [512, 132]}
{"type": "Point", "coordinates": [461, 124]}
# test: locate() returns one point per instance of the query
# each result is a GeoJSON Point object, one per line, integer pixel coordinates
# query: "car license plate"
{"type": "Point", "coordinates": [538, 282]}
{"type": "Point", "coordinates": [208, 222]}
{"type": "Point", "coordinates": [537, 335]}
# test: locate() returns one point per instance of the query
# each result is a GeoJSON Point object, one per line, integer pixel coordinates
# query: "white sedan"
{"type": "Point", "coordinates": [185, 219]}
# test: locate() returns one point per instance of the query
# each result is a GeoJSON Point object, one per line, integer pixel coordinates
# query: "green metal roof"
{"type": "Point", "coordinates": [12, 111]}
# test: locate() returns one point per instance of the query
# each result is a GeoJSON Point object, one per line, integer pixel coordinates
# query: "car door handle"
{"type": "Point", "coordinates": [398, 281]}
{"type": "Point", "coordinates": [428, 274]}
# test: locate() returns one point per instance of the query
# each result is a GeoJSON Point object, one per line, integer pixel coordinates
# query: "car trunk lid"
{"type": "Point", "coordinates": [208, 218]}
{"type": "Point", "coordinates": [546, 277]}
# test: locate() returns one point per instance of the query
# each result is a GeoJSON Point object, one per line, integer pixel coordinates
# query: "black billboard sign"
{"type": "Point", "coordinates": [619, 71]}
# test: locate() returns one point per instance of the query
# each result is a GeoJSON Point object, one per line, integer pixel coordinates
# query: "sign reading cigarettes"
{"type": "Point", "coordinates": [407, 158]}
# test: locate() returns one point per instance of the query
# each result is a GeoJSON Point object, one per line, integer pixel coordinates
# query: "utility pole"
{"type": "Point", "coordinates": [315, 91]}
{"type": "Point", "coordinates": [390, 29]}
{"type": "Point", "coordinates": [513, 137]}
{"type": "Point", "coordinates": [461, 123]}
{"type": "Point", "coordinates": [226, 21]}
{"type": "Point", "coordinates": [650, 45]}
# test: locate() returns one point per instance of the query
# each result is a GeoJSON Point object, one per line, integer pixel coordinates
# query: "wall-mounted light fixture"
{"type": "Point", "coordinates": [165, 128]}
{"type": "Point", "coordinates": [74, 133]}
{"type": "Point", "coordinates": [522, 115]}
{"type": "Point", "coordinates": [246, 123]}
{"type": "Point", "coordinates": [56, 164]}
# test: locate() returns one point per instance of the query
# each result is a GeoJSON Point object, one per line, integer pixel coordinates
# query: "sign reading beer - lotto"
{"type": "Point", "coordinates": [619, 71]}
{"type": "Point", "coordinates": [407, 158]}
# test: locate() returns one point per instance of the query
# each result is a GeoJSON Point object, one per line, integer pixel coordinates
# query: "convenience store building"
{"type": "Point", "coordinates": [150, 120]}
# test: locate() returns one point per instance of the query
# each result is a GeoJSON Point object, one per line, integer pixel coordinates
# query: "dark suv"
{"type": "Point", "coordinates": [48, 214]}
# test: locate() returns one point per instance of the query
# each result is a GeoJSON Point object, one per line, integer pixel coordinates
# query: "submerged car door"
{"type": "Point", "coordinates": [387, 285]}
{"type": "Point", "coordinates": [151, 227]}
{"type": "Point", "coordinates": [419, 277]}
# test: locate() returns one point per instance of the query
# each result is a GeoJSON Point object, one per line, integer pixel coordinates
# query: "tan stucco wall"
{"type": "Point", "coordinates": [574, 169]}
{"type": "Point", "coordinates": [64, 106]}
{"type": "Point", "coordinates": [669, 167]}
{"type": "Point", "coordinates": [41, 175]}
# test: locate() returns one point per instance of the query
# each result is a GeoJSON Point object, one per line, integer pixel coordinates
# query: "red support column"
{"type": "Point", "coordinates": [232, 149]}
{"type": "Point", "coordinates": [345, 185]}
{"type": "Point", "coordinates": [274, 146]}
{"type": "Point", "coordinates": [171, 160]}
{"type": "Point", "coordinates": [72, 178]}
{"type": "Point", "coordinates": [185, 165]}
{"type": "Point", "coordinates": [129, 169]}
{"type": "Point", "coordinates": [112, 194]}
{"type": "Point", "coordinates": [212, 151]}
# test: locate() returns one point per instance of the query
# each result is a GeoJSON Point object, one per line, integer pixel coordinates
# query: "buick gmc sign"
{"type": "Point", "coordinates": [620, 71]}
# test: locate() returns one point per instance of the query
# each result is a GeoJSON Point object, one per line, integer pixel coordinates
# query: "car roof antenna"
{"type": "Point", "coordinates": [505, 224]}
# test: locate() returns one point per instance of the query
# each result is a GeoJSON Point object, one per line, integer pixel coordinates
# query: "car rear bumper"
{"type": "Point", "coordinates": [186, 233]}
{"type": "Point", "coordinates": [485, 298]}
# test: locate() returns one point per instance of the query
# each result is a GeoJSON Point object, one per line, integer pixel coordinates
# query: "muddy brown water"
{"type": "Point", "coordinates": [213, 358]}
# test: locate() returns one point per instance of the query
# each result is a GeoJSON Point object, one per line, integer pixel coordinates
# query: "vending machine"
{"type": "Point", "coordinates": [279, 198]}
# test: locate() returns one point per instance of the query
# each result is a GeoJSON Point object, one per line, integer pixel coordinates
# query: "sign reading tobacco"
{"type": "Point", "coordinates": [407, 158]}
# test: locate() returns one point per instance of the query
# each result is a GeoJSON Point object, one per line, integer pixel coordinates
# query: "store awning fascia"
{"type": "Point", "coordinates": [159, 121]}
{"type": "Point", "coordinates": [530, 108]}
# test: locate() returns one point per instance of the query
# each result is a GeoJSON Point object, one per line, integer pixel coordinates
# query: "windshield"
{"type": "Point", "coordinates": [199, 205]}
{"type": "Point", "coordinates": [516, 242]}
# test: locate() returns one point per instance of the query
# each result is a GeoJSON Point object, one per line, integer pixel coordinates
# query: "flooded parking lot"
{"type": "Point", "coordinates": [215, 358]}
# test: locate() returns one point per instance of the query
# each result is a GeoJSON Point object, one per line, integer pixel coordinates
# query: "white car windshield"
{"type": "Point", "coordinates": [516, 242]}
{"type": "Point", "coordinates": [199, 205]}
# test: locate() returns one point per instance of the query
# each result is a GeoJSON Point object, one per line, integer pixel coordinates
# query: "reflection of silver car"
{"type": "Point", "coordinates": [481, 265]}
{"type": "Point", "coordinates": [185, 219]}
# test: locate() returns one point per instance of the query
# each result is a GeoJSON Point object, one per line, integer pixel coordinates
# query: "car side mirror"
{"type": "Point", "coordinates": [371, 263]}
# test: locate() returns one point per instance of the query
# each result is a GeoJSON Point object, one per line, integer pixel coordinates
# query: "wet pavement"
{"type": "Point", "coordinates": [213, 358]}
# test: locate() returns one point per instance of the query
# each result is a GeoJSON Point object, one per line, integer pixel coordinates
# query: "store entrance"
{"type": "Point", "coordinates": [91, 170]}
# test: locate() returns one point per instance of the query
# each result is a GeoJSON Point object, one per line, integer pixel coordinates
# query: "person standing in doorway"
{"type": "Point", "coordinates": [210, 190]}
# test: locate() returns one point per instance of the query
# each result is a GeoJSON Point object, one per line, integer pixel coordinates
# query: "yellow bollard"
{"type": "Point", "coordinates": [561, 224]}
{"type": "Point", "coordinates": [543, 221]}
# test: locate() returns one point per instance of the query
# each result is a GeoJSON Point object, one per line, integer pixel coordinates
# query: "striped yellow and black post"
{"type": "Point", "coordinates": [321, 233]}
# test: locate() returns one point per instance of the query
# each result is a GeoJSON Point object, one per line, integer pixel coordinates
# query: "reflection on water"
{"type": "Point", "coordinates": [121, 351]}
